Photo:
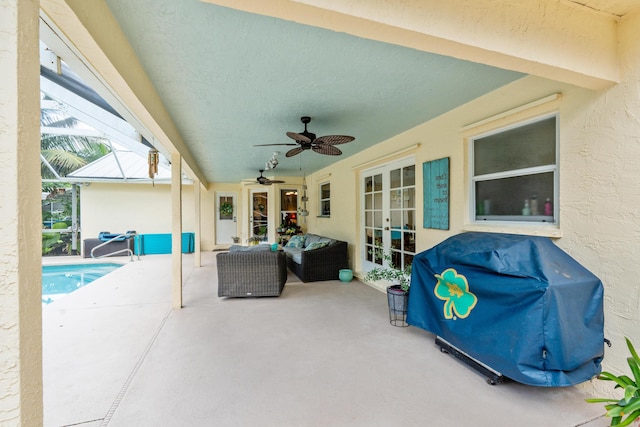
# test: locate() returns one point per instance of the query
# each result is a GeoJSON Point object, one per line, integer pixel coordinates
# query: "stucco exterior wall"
{"type": "Point", "coordinates": [141, 207]}
{"type": "Point", "coordinates": [601, 220]}
{"type": "Point", "coordinates": [20, 272]}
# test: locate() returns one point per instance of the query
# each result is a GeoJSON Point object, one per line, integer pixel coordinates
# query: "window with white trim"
{"type": "Point", "coordinates": [514, 173]}
{"type": "Point", "coordinates": [325, 199]}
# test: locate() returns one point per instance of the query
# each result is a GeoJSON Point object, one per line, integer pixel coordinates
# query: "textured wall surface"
{"type": "Point", "coordinates": [601, 193]}
{"type": "Point", "coordinates": [20, 282]}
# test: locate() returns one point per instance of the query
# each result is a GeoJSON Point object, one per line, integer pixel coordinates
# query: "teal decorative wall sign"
{"type": "Point", "coordinates": [436, 193]}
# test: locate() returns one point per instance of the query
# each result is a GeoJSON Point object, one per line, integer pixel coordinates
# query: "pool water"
{"type": "Point", "coordinates": [60, 280]}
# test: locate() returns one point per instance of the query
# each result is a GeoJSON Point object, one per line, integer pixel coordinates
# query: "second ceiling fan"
{"type": "Point", "coordinates": [263, 180]}
{"type": "Point", "coordinates": [308, 141]}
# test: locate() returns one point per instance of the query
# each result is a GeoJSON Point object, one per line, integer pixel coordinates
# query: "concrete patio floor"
{"type": "Point", "coordinates": [322, 354]}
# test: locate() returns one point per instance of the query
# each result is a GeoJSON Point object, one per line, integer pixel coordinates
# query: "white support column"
{"type": "Point", "coordinates": [197, 190]}
{"type": "Point", "coordinates": [176, 230]}
{"type": "Point", "coordinates": [20, 219]}
{"type": "Point", "coordinates": [74, 219]}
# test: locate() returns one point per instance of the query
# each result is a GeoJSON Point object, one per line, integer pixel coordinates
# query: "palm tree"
{"type": "Point", "coordinates": [66, 153]}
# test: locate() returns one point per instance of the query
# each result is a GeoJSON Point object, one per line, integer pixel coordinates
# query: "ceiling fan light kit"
{"type": "Point", "coordinates": [308, 141]}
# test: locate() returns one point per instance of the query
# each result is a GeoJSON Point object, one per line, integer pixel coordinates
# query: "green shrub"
{"type": "Point", "coordinates": [629, 405]}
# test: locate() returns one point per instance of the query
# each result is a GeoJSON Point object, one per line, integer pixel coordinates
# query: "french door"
{"type": "Point", "coordinates": [389, 214]}
{"type": "Point", "coordinates": [259, 218]}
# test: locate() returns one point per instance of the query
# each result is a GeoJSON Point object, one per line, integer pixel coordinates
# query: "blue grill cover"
{"type": "Point", "coordinates": [518, 304]}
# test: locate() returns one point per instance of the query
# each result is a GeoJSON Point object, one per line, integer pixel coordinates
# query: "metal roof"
{"type": "Point", "coordinates": [120, 165]}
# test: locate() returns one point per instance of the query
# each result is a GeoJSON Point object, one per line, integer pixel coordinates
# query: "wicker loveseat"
{"type": "Point", "coordinates": [314, 264]}
{"type": "Point", "coordinates": [251, 272]}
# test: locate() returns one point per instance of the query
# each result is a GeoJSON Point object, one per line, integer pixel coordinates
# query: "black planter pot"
{"type": "Point", "coordinates": [397, 299]}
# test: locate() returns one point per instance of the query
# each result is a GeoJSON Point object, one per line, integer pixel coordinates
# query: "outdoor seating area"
{"type": "Point", "coordinates": [315, 258]}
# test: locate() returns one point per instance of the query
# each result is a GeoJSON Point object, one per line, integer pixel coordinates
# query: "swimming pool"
{"type": "Point", "coordinates": [60, 280]}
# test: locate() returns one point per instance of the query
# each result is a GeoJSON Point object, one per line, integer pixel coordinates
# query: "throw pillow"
{"type": "Point", "coordinates": [296, 242]}
{"type": "Point", "coordinates": [316, 245]}
{"type": "Point", "coordinates": [311, 238]}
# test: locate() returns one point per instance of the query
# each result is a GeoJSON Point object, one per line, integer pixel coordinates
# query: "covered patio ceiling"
{"type": "Point", "coordinates": [231, 79]}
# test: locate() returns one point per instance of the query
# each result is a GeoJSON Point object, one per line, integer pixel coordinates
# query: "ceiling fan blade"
{"type": "Point", "coordinates": [276, 181]}
{"type": "Point", "coordinates": [334, 139]}
{"type": "Point", "coordinates": [267, 145]}
{"type": "Point", "coordinates": [294, 151]}
{"type": "Point", "coordinates": [298, 137]}
{"type": "Point", "coordinates": [329, 150]}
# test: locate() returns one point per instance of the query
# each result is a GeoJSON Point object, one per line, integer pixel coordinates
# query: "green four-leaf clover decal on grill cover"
{"type": "Point", "coordinates": [454, 290]}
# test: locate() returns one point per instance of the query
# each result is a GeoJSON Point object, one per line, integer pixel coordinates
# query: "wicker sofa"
{"type": "Point", "coordinates": [323, 263]}
{"type": "Point", "coordinates": [251, 272]}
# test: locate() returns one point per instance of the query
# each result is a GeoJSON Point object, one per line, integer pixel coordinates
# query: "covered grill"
{"type": "Point", "coordinates": [517, 304]}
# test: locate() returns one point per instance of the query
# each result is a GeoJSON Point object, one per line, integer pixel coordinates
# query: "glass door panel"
{"type": "Point", "coordinates": [372, 216]}
{"type": "Point", "coordinates": [260, 216]}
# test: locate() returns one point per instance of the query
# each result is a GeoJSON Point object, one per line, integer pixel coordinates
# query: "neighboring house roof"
{"type": "Point", "coordinates": [119, 166]}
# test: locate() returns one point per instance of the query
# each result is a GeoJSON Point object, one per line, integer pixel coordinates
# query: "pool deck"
{"type": "Point", "coordinates": [322, 354]}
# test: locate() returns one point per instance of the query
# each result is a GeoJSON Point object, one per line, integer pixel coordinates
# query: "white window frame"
{"type": "Point", "coordinates": [322, 201]}
{"type": "Point", "coordinates": [516, 219]}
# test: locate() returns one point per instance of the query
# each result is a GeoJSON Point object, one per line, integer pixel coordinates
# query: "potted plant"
{"type": "Point", "coordinates": [398, 291]}
{"type": "Point", "coordinates": [629, 405]}
{"type": "Point", "coordinates": [291, 230]}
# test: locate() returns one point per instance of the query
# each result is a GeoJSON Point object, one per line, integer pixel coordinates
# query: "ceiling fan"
{"type": "Point", "coordinates": [263, 180]}
{"type": "Point", "coordinates": [307, 140]}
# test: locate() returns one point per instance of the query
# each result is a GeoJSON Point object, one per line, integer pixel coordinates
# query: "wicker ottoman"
{"type": "Point", "coordinates": [251, 273]}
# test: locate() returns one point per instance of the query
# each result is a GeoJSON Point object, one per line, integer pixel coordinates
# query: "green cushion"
{"type": "Point", "coordinates": [316, 245]}
{"type": "Point", "coordinates": [296, 242]}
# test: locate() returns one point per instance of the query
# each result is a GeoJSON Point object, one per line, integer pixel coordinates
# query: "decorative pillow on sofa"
{"type": "Point", "coordinates": [311, 238]}
{"type": "Point", "coordinates": [296, 242]}
{"type": "Point", "coordinates": [316, 245]}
